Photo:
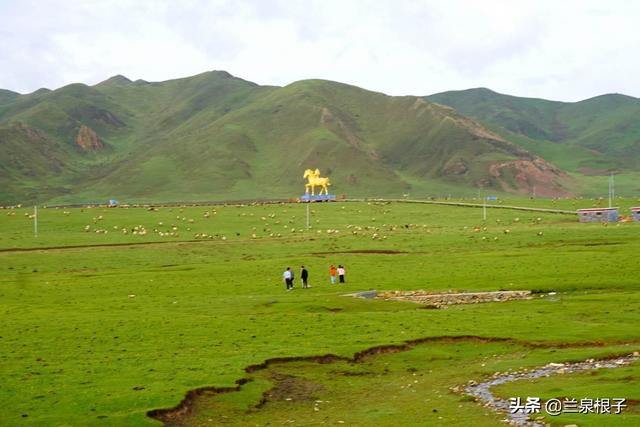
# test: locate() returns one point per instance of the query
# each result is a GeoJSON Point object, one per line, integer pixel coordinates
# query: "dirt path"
{"type": "Point", "coordinates": [468, 205]}
{"type": "Point", "coordinates": [102, 245]}
{"type": "Point", "coordinates": [135, 244]}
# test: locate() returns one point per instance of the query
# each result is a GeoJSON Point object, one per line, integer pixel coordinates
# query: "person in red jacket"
{"type": "Point", "coordinates": [332, 274]}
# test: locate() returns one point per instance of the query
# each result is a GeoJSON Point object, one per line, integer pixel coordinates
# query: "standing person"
{"type": "Point", "coordinates": [304, 276]}
{"type": "Point", "coordinates": [332, 274]}
{"type": "Point", "coordinates": [341, 273]}
{"type": "Point", "coordinates": [288, 278]}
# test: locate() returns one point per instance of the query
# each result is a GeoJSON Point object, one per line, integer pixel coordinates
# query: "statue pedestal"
{"type": "Point", "coordinates": [317, 198]}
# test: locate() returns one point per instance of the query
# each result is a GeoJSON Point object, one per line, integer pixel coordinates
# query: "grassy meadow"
{"type": "Point", "coordinates": [111, 313]}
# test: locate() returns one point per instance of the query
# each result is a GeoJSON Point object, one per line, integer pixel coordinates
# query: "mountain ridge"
{"type": "Point", "coordinates": [606, 124]}
{"type": "Point", "coordinates": [216, 136]}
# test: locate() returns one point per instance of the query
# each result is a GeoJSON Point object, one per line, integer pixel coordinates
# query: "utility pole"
{"type": "Point", "coordinates": [484, 208]}
{"type": "Point", "coordinates": [484, 204]}
{"type": "Point", "coordinates": [35, 221]}
{"type": "Point", "coordinates": [611, 190]}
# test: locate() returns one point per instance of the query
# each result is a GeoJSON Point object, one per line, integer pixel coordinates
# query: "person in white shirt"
{"type": "Point", "coordinates": [341, 273]}
{"type": "Point", "coordinates": [288, 278]}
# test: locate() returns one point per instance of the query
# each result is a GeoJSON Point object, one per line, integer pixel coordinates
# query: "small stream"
{"type": "Point", "coordinates": [483, 393]}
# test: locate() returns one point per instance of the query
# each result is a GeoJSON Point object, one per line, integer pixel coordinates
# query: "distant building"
{"type": "Point", "coordinates": [598, 215]}
{"type": "Point", "coordinates": [635, 213]}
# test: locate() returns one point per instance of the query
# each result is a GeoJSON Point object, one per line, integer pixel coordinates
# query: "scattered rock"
{"type": "Point", "coordinates": [481, 391]}
{"type": "Point", "coordinates": [440, 300]}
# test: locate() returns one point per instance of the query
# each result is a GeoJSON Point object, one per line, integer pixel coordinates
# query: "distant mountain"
{"type": "Point", "coordinates": [7, 96]}
{"type": "Point", "coordinates": [214, 136]}
{"type": "Point", "coordinates": [604, 132]}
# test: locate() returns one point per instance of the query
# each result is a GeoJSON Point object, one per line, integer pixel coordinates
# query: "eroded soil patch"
{"type": "Point", "coordinates": [290, 388]}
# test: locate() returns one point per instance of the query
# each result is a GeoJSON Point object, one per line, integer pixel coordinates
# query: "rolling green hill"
{"type": "Point", "coordinates": [217, 137]}
{"type": "Point", "coordinates": [7, 96]}
{"type": "Point", "coordinates": [602, 133]}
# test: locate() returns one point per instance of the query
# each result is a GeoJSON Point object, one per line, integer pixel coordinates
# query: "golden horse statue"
{"type": "Point", "coordinates": [315, 180]}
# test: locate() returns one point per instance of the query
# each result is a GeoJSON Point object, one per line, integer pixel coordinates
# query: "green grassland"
{"type": "Point", "coordinates": [412, 387]}
{"type": "Point", "coordinates": [100, 327]}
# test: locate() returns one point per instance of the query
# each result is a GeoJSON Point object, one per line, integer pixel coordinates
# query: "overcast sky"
{"type": "Point", "coordinates": [561, 50]}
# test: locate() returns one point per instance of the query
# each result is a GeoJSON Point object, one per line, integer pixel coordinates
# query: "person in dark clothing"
{"type": "Point", "coordinates": [304, 276]}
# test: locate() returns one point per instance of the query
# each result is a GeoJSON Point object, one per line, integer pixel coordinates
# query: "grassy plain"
{"type": "Point", "coordinates": [102, 327]}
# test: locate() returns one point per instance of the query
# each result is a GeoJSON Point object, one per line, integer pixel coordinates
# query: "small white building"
{"type": "Point", "coordinates": [598, 215]}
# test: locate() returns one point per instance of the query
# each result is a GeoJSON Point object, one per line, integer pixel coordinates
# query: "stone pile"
{"type": "Point", "coordinates": [439, 300]}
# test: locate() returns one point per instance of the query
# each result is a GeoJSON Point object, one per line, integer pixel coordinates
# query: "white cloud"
{"type": "Point", "coordinates": [566, 50]}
